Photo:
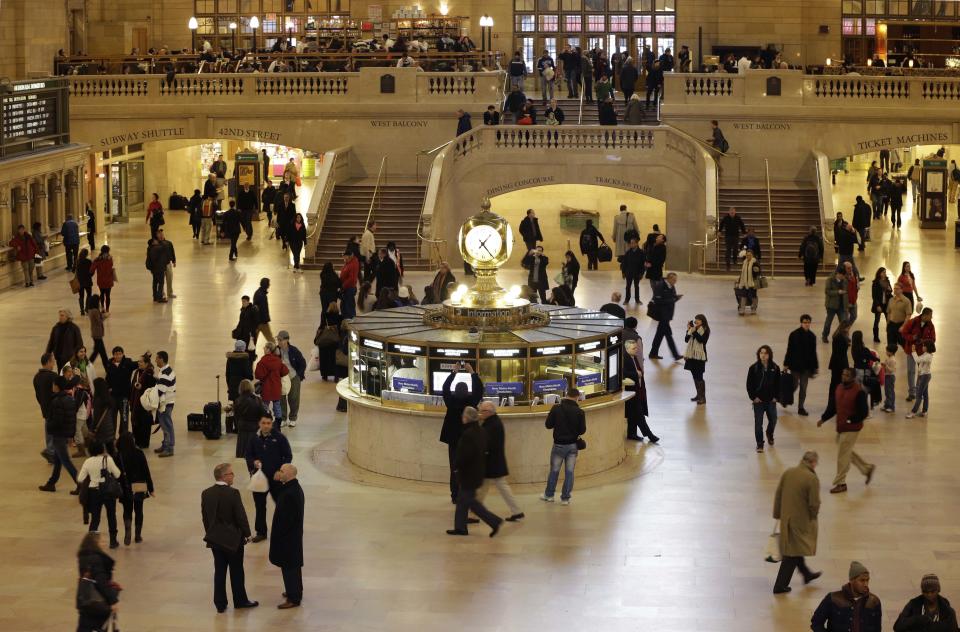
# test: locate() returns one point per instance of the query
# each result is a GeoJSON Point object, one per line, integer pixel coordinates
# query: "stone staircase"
{"type": "Point", "coordinates": [794, 212]}
{"type": "Point", "coordinates": [397, 214]}
{"type": "Point", "coordinates": [571, 107]}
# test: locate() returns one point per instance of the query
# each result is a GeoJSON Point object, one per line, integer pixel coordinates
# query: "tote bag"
{"type": "Point", "coordinates": [773, 554]}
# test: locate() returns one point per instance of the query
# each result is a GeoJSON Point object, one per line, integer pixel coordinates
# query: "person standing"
{"type": "Point", "coordinates": [469, 463]}
{"type": "Point", "coordinates": [656, 259]}
{"type": "Point", "coordinates": [496, 471]}
{"type": "Point", "coordinates": [171, 261]}
{"type": "Point", "coordinates": [517, 71]}
{"type": "Point", "coordinates": [96, 568]}
{"type": "Point", "coordinates": [632, 268]}
{"type": "Point", "coordinates": [92, 470]}
{"type": "Point", "coordinates": [624, 224]}
{"type": "Point", "coordinates": [349, 277]}
{"type": "Point", "coordinates": [286, 537]}
{"type": "Point", "coordinates": [267, 451]}
{"type": "Point", "coordinates": [880, 292]}
{"type": "Point", "coordinates": [898, 312]}
{"type": "Point", "coordinates": [167, 389]}
{"type": "Point", "coordinates": [218, 169]}
{"type": "Point", "coordinates": [194, 207]}
{"type": "Point", "coordinates": [895, 193]}
{"type": "Point", "coordinates": [811, 253]}
{"type": "Point", "coordinates": [801, 359]}
{"type": "Point", "coordinates": [137, 486]}
{"type": "Point", "coordinates": [157, 265]}
{"type": "Point", "coordinates": [43, 390]}
{"type": "Point", "coordinates": [263, 309]}
{"type": "Point", "coordinates": [297, 366]}
{"type": "Point", "coordinates": [119, 371]}
{"type": "Point", "coordinates": [297, 238]}
{"type": "Point", "coordinates": [65, 338]}
{"type": "Point", "coordinates": [763, 387]}
{"type": "Point", "coordinates": [568, 423]}
{"type": "Point", "coordinates": [61, 426]}
{"type": "Point", "coordinates": [368, 249]}
{"type": "Point", "coordinates": [387, 274]}
{"type": "Point", "coordinates": [247, 203]}
{"type": "Point", "coordinates": [141, 417]}
{"type": "Point", "coordinates": [106, 277]}
{"type": "Point", "coordinates": [24, 250]}
{"type": "Point", "coordinates": [265, 160]}
{"type": "Point", "coordinates": [635, 409]}
{"type": "Point", "coordinates": [70, 232]}
{"type": "Point", "coordinates": [929, 611]}
{"type": "Point", "coordinates": [908, 282]}
{"type": "Point", "coordinates": [919, 328]}
{"type": "Point", "coordinates": [456, 400]}
{"type": "Point", "coordinates": [270, 371]}
{"type": "Point", "coordinates": [796, 505]}
{"type": "Point", "coordinates": [43, 250]}
{"type": "Point", "coordinates": [922, 357]}
{"type": "Point", "coordinates": [208, 208]}
{"type": "Point", "coordinates": [547, 71]}
{"type": "Point", "coordinates": [628, 79]}
{"type": "Point", "coordinates": [850, 407]}
{"type": "Point", "coordinates": [226, 530]}
{"type": "Point", "coordinates": [530, 230]}
{"type": "Point", "coordinates": [747, 284]}
{"type": "Point", "coordinates": [665, 299]}
{"type": "Point", "coordinates": [536, 264]}
{"type": "Point", "coordinates": [695, 355]}
{"type": "Point", "coordinates": [834, 300]}
{"type": "Point", "coordinates": [862, 215]}
{"type": "Point", "coordinates": [853, 608]}
{"type": "Point", "coordinates": [248, 325]}
{"type": "Point", "coordinates": [84, 278]}
{"type": "Point", "coordinates": [231, 227]}
{"type": "Point", "coordinates": [155, 215]}
{"type": "Point", "coordinates": [732, 226]}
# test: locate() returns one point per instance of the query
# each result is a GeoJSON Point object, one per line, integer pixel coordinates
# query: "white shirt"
{"type": "Point", "coordinates": [923, 362]}
{"type": "Point", "coordinates": [743, 65]}
{"type": "Point", "coordinates": [91, 469]}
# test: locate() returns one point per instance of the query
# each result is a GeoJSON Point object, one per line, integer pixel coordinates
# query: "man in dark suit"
{"type": "Point", "coordinates": [665, 298]}
{"type": "Point", "coordinates": [801, 359]}
{"type": "Point", "coordinates": [456, 401]}
{"type": "Point", "coordinates": [226, 531]}
{"type": "Point", "coordinates": [530, 229]}
{"type": "Point", "coordinates": [470, 464]}
{"type": "Point", "coordinates": [386, 273]}
{"type": "Point", "coordinates": [286, 536]}
{"type": "Point", "coordinates": [537, 277]}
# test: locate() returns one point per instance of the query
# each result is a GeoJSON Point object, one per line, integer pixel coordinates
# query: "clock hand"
{"type": "Point", "coordinates": [483, 242]}
{"type": "Point", "coordinates": [484, 246]}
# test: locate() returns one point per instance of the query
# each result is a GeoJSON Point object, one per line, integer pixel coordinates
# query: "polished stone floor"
{"type": "Point", "coordinates": [678, 547]}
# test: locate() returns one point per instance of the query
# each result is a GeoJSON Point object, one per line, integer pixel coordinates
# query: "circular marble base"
{"type": "Point", "coordinates": [404, 443]}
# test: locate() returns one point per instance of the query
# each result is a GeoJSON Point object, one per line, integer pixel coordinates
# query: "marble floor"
{"type": "Point", "coordinates": [678, 547]}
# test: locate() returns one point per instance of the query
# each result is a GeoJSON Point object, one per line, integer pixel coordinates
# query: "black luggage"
{"type": "Point", "coordinates": [213, 415]}
{"type": "Point", "coordinates": [604, 254]}
{"type": "Point", "coordinates": [787, 384]}
{"type": "Point", "coordinates": [196, 422]}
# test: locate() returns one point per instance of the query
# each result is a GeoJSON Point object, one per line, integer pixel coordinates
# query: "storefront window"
{"type": "Point", "coordinates": [550, 368]}
{"type": "Point", "coordinates": [504, 373]}
{"type": "Point", "coordinates": [371, 367]}
{"type": "Point", "coordinates": [406, 372]}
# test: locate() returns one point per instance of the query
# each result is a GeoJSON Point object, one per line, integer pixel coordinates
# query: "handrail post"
{"type": "Point", "coordinates": [773, 249]}
{"type": "Point", "coordinates": [580, 115]}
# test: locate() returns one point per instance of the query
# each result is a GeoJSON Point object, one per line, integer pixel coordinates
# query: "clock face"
{"type": "Point", "coordinates": [483, 243]}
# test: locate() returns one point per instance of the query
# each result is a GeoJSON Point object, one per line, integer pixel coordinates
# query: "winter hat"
{"type": "Point", "coordinates": [283, 334]}
{"type": "Point", "coordinates": [857, 569]}
{"type": "Point", "coordinates": [239, 345]}
{"type": "Point", "coordinates": [930, 582]}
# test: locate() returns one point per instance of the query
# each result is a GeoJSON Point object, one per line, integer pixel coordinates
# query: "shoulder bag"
{"type": "Point", "coordinates": [109, 485]}
{"type": "Point", "coordinates": [90, 601]}
{"type": "Point", "coordinates": [581, 443]}
{"type": "Point", "coordinates": [89, 435]}
{"type": "Point", "coordinates": [75, 285]}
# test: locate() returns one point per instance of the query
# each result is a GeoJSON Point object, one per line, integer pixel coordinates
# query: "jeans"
{"type": "Point", "coordinates": [664, 331]}
{"type": "Point", "coordinates": [105, 298]}
{"type": "Point", "coordinates": [222, 562]}
{"type": "Point", "coordinates": [593, 263]}
{"type": "Point", "coordinates": [566, 455]}
{"type": "Point", "coordinates": [770, 408]}
{"type": "Point", "coordinates": [293, 583]}
{"type": "Point", "coordinates": [923, 393]}
{"type": "Point", "coordinates": [635, 282]}
{"type": "Point", "coordinates": [810, 270]}
{"type": "Point", "coordinates": [893, 333]}
{"type": "Point", "coordinates": [83, 296]}
{"type": "Point", "coordinates": [133, 509]}
{"type": "Point", "coordinates": [233, 247]}
{"type": "Point", "coordinates": [587, 88]}
{"type": "Point", "coordinates": [911, 376]}
{"type": "Point", "coordinates": [157, 285]}
{"type": "Point", "coordinates": [829, 321]}
{"type": "Point", "coordinates": [516, 82]}
{"type": "Point", "coordinates": [95, 502]}
{"type": "Point", "coordinates": [895, 215]}
{"type": "Point", "coordinates": [121, 409]}
{"type": "Point", "coordinates": [246, 221]}
{"type": "Point", "coordinates": [851, 312]}
{"type": "Point", "coordinates": [467, 501]}
{"type": "Point", "coordinates": [290, 403]}
{"type": "Point", "coordinates": [165, 419]}
{"type": "Point", "coordinates": [573, 82]}
{"type": "Point", "coordinates": [655, 91]}
{"type": "Point", "coordinates": [503, 487]}
{"type": "Point", "coordinates": [348, 303]}
{"type": "Point", "coordinates": [451, 458]}
{"type": "Point", "coordinates": [61, 458]}
{"type": "Point", "coordinates": [889, 391]}
{"type": "Point", "coordinates": [296, 248]}
{"type": "Point", "coordinates": [47, 443]}
{"type": "Point", "coordinates": [277, 411]}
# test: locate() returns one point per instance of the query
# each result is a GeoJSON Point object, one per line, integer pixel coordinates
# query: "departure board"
{"type": "Point", "coordinates": [31, 112]}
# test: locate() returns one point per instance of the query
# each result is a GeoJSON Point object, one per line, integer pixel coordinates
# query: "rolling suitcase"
{"type": "Point", "coordinates": [213, 415]}
{"type": "Point", "coordinates": [196, 422]}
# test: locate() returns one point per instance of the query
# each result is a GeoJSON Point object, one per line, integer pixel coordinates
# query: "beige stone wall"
{"type": "Point", "coordinates": [30, 36]}
{"type": "Point", "coordinates": [111, 24]}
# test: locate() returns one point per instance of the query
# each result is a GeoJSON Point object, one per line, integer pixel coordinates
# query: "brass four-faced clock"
{"type": "Point", "coordinates": [486, 241]}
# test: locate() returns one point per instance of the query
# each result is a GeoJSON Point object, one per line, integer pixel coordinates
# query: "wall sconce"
{"type": "Point", "coordinates": [444, 9]}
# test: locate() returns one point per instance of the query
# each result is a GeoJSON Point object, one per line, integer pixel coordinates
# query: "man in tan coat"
{"type": "Point", "coordinates": [796, 506]}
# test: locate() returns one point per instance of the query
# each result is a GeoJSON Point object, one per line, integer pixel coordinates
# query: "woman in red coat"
{"type": "Point", "coordinates": [270, 371]}
{"type": "Point", "coordinates": [25, 249]}
{"type": "Point", "coordinates": [106, 277]}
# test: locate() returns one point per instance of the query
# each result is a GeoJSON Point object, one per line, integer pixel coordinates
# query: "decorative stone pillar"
{"type": "Point", "coordinates": [73, 195]}
{"type": "Point", "coordinates": [6, 215]}
{"type": "Point", "coordinates": [42, 208]}
{"type": "Point", "coordinates": [60, 191]}
{"type": "Point", "coordinates": [21, 205]}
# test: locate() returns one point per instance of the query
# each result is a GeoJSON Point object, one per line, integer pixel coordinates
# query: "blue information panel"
{"type": "Point", "coordinates": [549, 386]}
{"type": "Point", "coordinates": [503, 388]}
{"type": "Point", "coordinates": [407, 384]}
{"type": "Point", "coordinates": [587, 380]}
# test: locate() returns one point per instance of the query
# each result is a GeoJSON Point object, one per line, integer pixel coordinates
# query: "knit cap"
{"type": "Point", "coordinates": [857, 569]}
{"type": "Point", "coordinates": [929, 583]}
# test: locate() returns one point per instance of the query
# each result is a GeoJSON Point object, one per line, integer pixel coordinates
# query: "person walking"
{"type": "Point", "coordinates": [84, 278]}
{"type": "Point", "coordinates": [880, 292]}
{"type": "Point", "coordinates": [297, 239]}
{"type": "Point", "coordinates": [456, 399]}
{"type": "Point", "coordinates": [624, 224]}
{"type": "Point", "coordinates": [43, 390]}
{"type": "Point", "coordinates": [247, 203]}
{"type": "Point", "coordinates": [908, 282]}
{"type": "Point", "coordinates": [194, 206]}
{"type": "Point", "coordinates": [517, 70]}
{"type": "Point", "coordinates": [568, 423]}
{"type": "Point", "coordinates": [628, 80]}
{"type": "Point", "coordinates": [570, 271]}
{"type": "Point", "coordinates": [732, 226]}
{"type": "Point", "coordinates": [695, 355]}
{"type": "Point", "coordinates": [270, 371]}
{"type": "Point", "coordinates": [922, 357]}
{"type": "Point", "coordinates": [297, 366]}
{"type": "Point", "coordinates": [861, 218]}
{"type": "Point", "coordinates": [763, 388]}
{"type": "Point", "coordinates": [665, 299]}
{"type": "Point", "coordinates": [536, 264]}
{"type": "Point", "coordinates": [928, 612]}
{"type": "Point", "coordinates": [834, 301]}
{"type": "Point", "coordinates": [208, 208]}
{"type": "Point", "coordinates": [632, 268]}
{"type": "Point", "coordinates": [899, 311]}
{"type": "Point", "coordinates": [157, 260]}
{"type": "Point", "coordinates": [231, 225]}
{"type": "Point", "coordinates": [495, 472]}
{"type": "Point", "coordinates": [656, 259]}
{"type": "Point", "coordinates": [811, 253]}
{"type": "Point", "coordinates": [70, 232]}
{"type": "Point", "coordinates": [248, 323]}
{"type": "Point", "coordinates": [530, 230]}
{"type": "Point", "coordinates": [106, 274]}
{"type": "Point", "coordinates": [853, 608]}
{"type": "Point", "coordinates": [469, 463]}
{"type": "Point", "coordinates": [98, 496]}
{"type": "Point", "coordinates": [268, 198]}
{"type": "Point", "coordinates": [266, 451]}
{"type": "Point", "coordinates": [917, 329]}
{"type": "Point", "coordinates": [801, 360]}
{"type": "Point", "coordinates": [849, 406]}
{"type": "Point", "coordinates": [226, 530]}
{"type": "Point", "coordinates": [839, 357]}
{"type": "Point", "coordinates": [24, 251]}
{"type": "Point", "coordinates": [61, 427]}
{"type": "Point", "coordinates": [547, 71]}
{"type": "Point", "coordinates": [590, 240]}
{"type": "Point", "coordinates": [167, 389]}
{"type": "Point", "coordinates": [263, 308]}
{"type": "Point", "coordinates": [286, 537]}
{"type": "Point", "coordinates": [137, 486]}
{"type": "Point", "coordinates": [65, 338]}
{"type": "Point", "coordinates": [96, 580]}
{"type": "Point", "coordinates": [796, 505]}
{"type": "Point", "coordinates": [635, 409]}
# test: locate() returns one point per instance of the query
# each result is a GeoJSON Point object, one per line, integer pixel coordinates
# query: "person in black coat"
{"type": "Point", "coordinates": [839, 357]}
{"type": "Point", "coordinates": [811, 253]}
{"type": "Point", "coordinates": [536, 264]}
{"type": "Point", "coordinates": [665, 298]}
{"type": "Point", "coordinates": [61, 426]}
{"type": "Point", "coordinates": [286, 538]}
{"type": "Point", "coordinates": [590, 240]}
{"type": "Point", "coordinates": [607, 115]}
{"type": "Point", "coordinates": [268, 198]}
{"type": "Point", "coordinates": [861, 219]}
{"type": "Point", "coordinates": [330, 287]}
{"type": "Point", "coordinates": [247, 410]}
{"type": "Point", "coordinates": [469, 463]}
{"type": "Point", "coordinates": [247, 203]}
{"type": "Point", "coordinates": [763, 388]}
{"type": "Point", "coordinates": [96, 567]}
{"type": "Point", "coordinates": [231, 227]}
{"type": "Point", "coordinates": [286, 211]}
{"type": "Point", "coordinates": [635, 409]}
{"type": "Point", "coordinates": [239, 367]}
{"type": "Point", "coordinates": [193, 206]}
{"type": "Point", "coordinates": [387, 274]}
{"type": "Point", "coordinates": [801, 358]}
{"type": "Point", "coordinates": [656, 259]}
{"type": "Point", "coordinates": [632, 267]}
{"type": "Point", "coordinates": [297, 238]}
{"type": "Point", "coordinates": [732, 226]}
{"type": "Point", "coordinates": [496, 465]}
{"type": "Point", "coordinates": [456, 400]}
{"type": "Point", "coordinates": [267, 451]}
{"type": "Point", "coordinates": [628, 79]}
{"type": "Point", "coordinates": [119, 370]}
{"type": "Point", "coordinates": [136, 473]}
{"type": "Point", "coordinates": [530, 229]}
{"type": "Point", "coordinates": [929, 612]}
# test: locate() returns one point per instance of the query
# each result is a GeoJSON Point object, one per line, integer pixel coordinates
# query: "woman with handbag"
{"type": "Point", "coordinates": [747, 284]}
{"type": "Point", "coordinates": [330, 286]}
{"type": "Point", "coordinates": [103, 490]}
{"type": "Point", "coordinates": [97, 593]}
{"type": "Point", "coordinates": [327, 341]}
{"type": "Point", "coordinates": [141, 418]}
{"type": "Point", "coordinates": [635, 408]}
{"type": "Point", "coordinates": [137, 485]}
{"type": "Point", "coordinates": [570, 271]}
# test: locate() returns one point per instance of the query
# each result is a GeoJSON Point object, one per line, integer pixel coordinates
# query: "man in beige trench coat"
{"type": "Point", "coordinates": [796, 506]}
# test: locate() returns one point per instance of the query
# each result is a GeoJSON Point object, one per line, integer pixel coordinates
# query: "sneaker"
{"type": "Point", "coordinates": [565, 502]}
{"type": "Point", "coordinates": [910, 415]}
{"type": "Point", "coordinates": [292, 424]}
{"type": "Point", "coordinates": [165, 454]}
{"type": "Point", "coordinates": [546, 498]}
{"type": "Point", "coordinates": [887, 410]}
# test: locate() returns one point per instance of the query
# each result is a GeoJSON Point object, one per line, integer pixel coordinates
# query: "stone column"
{"type": "Point", "coordinates": [21, 202]}
{"type": "Point", "coordinates": [6, 231]}
{"type": "Point", "coordinates": [73, 195]}
{"type": "Point", "coordinates": [42, 204]}
{"type": "Point", "coordinates": [56, 220]}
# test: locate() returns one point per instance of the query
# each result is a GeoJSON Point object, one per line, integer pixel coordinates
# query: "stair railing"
{"type": "Point", "coordinates": [819, 158]}
{"type": "Point", "coordinates": [580, 113]}
{"type": "Point", "coordinates": [377, 198]}
{"type": "Point", "coordinates": [773, 249]}
{"type": "Point", "coordinates": [429, 152]}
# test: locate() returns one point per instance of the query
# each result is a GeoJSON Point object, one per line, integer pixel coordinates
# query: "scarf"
{"type": "Point", "coordinates": [746, 279]}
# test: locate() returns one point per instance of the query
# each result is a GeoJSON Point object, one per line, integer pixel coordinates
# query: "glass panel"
{"type": "Point", "coordinates": [572, 5]}
{"type": "Point", "coordinates": [205, 6]}
{"type": "Point", "coordinates": [550, 375]}
{"type": "Point", "coordinates": [223, 26]}
{"type": "Point", "coordinates": [641, 43]}
{"type": "Point", "coordinates": [525, 24]}
{"type": "Point", "coordinates": [548, 5]}
{"type": "Point", "coordinates": [590, 372]}
{"type": "Point", "coordinates": [270, 23]}
{"type": "Point", "coordinates": [272, 6]}
{"type": "Point", "coordinates": [205, 26]}
{"type": "Point", "coordinates": [407, 374]}
{"type": "Point", "coordinates": [642, 24]}
{"type": "Point", "coordinates": [594, 43]}
{"type": "Point", "coordinates": [249, 7]}
{"type": "Point", "coordinates": [523, 5]}
{"type": "Point", "coordinates": [572, 23]}
{"type": "Point", "coordinates": [875, 7]}
{"type": "Point", "coordinates": [852, 7]}
{"type": "Point", "coordinates": [245, 25]}
{"type": "Point", "coordinates": [596, 23]}
{"type": "Point", "coordinates": [549, 23]}
{"type": "Point", "coordinates": [550, 43]}
{"type": "Point", "coordinates": [870, 26]}
{"type": "Point", "coordinates": [898, 7]}
{"type": "Point", "coordinates": [666, 6]}
{"type": "Point", "coordinates": [526, 48]}
{"type": "Point", "coordinates": [618, 5]}
{"type": "Point", "coordinates": [371, 371]}
{"type": "Point", "coordinates": [619, 24]}
{"type": "Point", "coordinates": [851, 26]}
{"type": "Point", "coordinates": [663, 43]}
{"type": "Point", "coordinates": [595, 5]}
{"type": "Point", "coordinates": [292, 24]}
{"type": "Point", "coordinates": [921, 7]}
{"type": "Point", "coordinates": [643, 5]}
{"type": "Point", "coordinates": [227, 6]}
{"type": "Point", "coordinates": [666, 23]}
{"type": "Point", "coordinates": [573, 41]}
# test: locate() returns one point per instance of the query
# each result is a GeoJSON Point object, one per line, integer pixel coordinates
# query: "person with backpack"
{"type": "Point", "coordinates": [717, 140]}
{"type": "Point", "coordinates": [590, 240]}
{"type": "Point", "coordinates": [811, 252]}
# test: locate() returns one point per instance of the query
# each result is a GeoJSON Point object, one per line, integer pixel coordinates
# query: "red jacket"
{"type": "Point", "coordinates": [912, 332]}
{"type": "Point", "coordinates": [350, 273]}
{"type": "Point", "coordinates": [103, 268]}
{"type": "Point", "coordinates": [269, 371]}
{"type": "Point", "coordinates": [24, 246]}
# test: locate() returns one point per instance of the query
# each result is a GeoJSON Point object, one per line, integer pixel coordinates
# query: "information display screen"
{"type": "Point", "coordinates": [439, 377]}
{"type": "Point", "coordinates": [32, 111]}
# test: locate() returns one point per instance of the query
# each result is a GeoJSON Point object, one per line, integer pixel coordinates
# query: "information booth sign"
{"type": "Point", "coordinates": [33, 115]}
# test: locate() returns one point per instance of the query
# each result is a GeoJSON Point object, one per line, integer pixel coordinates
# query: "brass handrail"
{"type": "Point", "coordinates": [381, 175]}
{"type": "Point", "coordinates": [823, 226]}
{"type": "Point", "coordinates": [580, 115]}
{"type": "Point", "coordinates": [773, 249]}
{"type": "Point", "coordinates": [703, 253]}
{"type": "Point", "coordinates": [429, 152]}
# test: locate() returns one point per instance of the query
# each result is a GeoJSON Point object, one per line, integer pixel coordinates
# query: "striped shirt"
{"type": "Point", "coordinates": [167, 385]}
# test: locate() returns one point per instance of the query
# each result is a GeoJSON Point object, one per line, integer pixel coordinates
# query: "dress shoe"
{"type": "Point", "coordinates": [47, 487]}
{"type": "Point", "coordinates": [780, 591]}
{"type": "Point", "coordinates": [258, 538]}
{"type": "Point", "coordinates": [495, 528]}
{"type": "Point", "coordinates": [802, 412]}
{"type": "Point", "coordinates": [655, 357]}
{"type": "Point", "coordinates": [634, 438]}
{"type": "Point", "coordinates": [42, 278]}
{"type": "Point", "coordinates": [249, 604]}
{"type": "Point", "coordinates": [654, 439]}
{"type": "Point", "coordinates": [873, 468]}
{"type": "Point", "coordinates": [286, 605]}
{"type": "Point", "coordinates": [221, 610]}
{"type": "Point", "coordinates": [812, 576]}
{"type": "Point", "coordinates": [165, 454]}
{"type": "Point", "coordinates": [473, 521]}
{"type": "Point", "coordinates": [515, 517]}
{"type": "Point", "coordinates": [75, 492]}
{"type": "Point", "coordinates": [158, 450]}
{"type": "Point", "coordinates": [457, 532]}
{"type": "Point", "coordinates": [770, 440]}
{"type": "Point", "coordinates": [838, 489]}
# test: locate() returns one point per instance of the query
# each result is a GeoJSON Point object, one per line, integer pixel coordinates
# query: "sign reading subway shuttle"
{"type": "Point", "coordinates": [33, 115]}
